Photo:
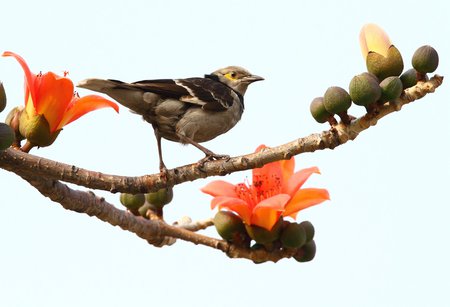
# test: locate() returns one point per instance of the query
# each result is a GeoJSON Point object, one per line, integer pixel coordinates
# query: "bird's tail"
{"type": "Point", "coordinates": [124, 93]}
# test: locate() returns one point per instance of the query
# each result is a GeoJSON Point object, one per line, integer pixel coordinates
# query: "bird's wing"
{"type": "Point", "coordinates": [210, 94]}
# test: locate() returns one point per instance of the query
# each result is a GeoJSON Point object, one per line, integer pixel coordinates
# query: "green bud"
{"type": "Point", "coordinates": [364, 89]}
{"type": "Point", "coordinates": [409, 78]}
{"type": "Point", "coordinates": [293, 235]}
{"type": "Point", "coordinates": [336, 100]}
{"type": "Point", "coordinates": [36, 130]}
{"type": "Point", "coordinates": [306, 252]}
{"type": "Point", "coordinates": [229, 226]}
{"type": "Point", "coordinates": [12, 120]}
{"type": "Point", "coordinates": [264, 236]}
{"type": "Point", "coordinates": [425, 59]}
{"type": "Point", "coordinates": [383, 67]}
{"type": "Point", "coordinates": [160, 198]}
{"type": "Point", "coordinates": [391, 88]}
{"type": "Point", "coordinates": [2, 97]}
{"type": "Point", "coordinates": [318, 111]}
{"type": "Point", "coordinates": [132, 201]}
{"type": "Point", "coordinates": [6, 136]}
{"type": "Point", "coordinates": [309, 230]}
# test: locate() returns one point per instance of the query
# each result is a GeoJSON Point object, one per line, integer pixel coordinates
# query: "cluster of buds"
{"type": "Point", "coordinates": [285, 235]}
{"type": "Point", "coordinates": [382, 83]}
{"type": "Point", "coordinates": [147, 205]}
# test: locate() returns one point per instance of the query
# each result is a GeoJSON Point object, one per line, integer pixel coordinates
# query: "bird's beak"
{"type": "Point", "coordinates": [252, 78]}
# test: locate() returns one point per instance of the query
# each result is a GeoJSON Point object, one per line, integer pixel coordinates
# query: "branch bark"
{"type": "Point", "coordinates": [156, 232]}
{"type": "Point", "coordinates": [13, 160]}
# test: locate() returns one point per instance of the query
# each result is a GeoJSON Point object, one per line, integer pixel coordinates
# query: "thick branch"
{"type": "Point", "coordinates": [13, 160]}
{"type": "Point", "coordinates": [154, 231]}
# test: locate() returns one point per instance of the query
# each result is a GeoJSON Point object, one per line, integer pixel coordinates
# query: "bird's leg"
{"type": "Point", "coordinates": [162, 166]}
{"type": "Point", "coordinates": [209, 154]}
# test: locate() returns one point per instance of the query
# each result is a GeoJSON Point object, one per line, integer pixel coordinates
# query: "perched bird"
{"type": "Point", "coordinates": [188, 111]}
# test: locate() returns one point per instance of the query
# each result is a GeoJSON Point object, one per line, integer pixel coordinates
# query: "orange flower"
{"type": "Point", "coordinates": [275, 191]}
{"type": "Point", "coordinates": [52, 96]}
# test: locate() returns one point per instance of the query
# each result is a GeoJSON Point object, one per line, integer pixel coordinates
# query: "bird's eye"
{"type": "Point", "coordinates": [231, 75]}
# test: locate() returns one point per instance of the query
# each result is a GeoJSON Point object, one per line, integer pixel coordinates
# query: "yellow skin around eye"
{"type": "Point", "coordinates": [230, 77]}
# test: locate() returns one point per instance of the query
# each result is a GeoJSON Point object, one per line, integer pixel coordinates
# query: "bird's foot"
{"type": "Point", "coordinates": [211, 157]}
{"type": "Point", "coordinates": [163, 171]}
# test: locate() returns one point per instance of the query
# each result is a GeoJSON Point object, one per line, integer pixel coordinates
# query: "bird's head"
{"type": "Point", "coordinates": [236, 77]}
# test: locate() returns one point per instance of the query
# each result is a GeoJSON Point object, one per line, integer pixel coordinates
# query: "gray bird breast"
{"type": "Point", "coordinates": [172, 117]}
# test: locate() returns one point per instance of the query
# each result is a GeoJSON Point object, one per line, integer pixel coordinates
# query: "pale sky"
{"type": "Point", "coordinates": [382, 240]}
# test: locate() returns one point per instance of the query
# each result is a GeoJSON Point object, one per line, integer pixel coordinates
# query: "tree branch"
{"type": "Point", "coordinates": [13, 160]}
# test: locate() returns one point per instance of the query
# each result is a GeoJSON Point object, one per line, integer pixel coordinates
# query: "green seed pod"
{"type": "Point", "coordinates": [262, 235]}
{"type": "Point", "coordinates": [293, 235]}
{"type": "Point", "coordinates": [160, 198]}
{"type": "Point", "coordinates": [306, 252]}
{"type": "Point", "coordinates": [318, 111]}
{"type": "Point", "coordinates": [364, 89]}
{"type": "Point", "coordinates": [425, 59]}
{"type": "Point", "coordinates": [2, 97]}
{"type": "Point", "coordinates": [132, 201]}
{"type": "Point", "coordinates": [409, 78]}
{"type": "Point", "coordinates": [6, 136]}
{"type": "Point", "coordinates": [383, 67]}
{"type": "Point", "coordinates": [336, 100]}
{"type": "Point", "coordinates": [229, 226]}
{"type": "Point", "coordinates": [391, 88]}
{"type": "Point", "coordinates": [309, 230]}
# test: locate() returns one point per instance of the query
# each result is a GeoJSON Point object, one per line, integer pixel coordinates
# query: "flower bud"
{"type": "Point", "coordinates": [132, 201]}
{"type": "Point", "coordinates": [293, 235]}
{"type": "Point", "coordinates": [309, 230]}
{"type": "Point", "coordinates": [306, 252]}
{"type": "Point", "coordinates": [385, 66]}
{"type": "Point", "coordinates": [36, 130]}
{"type": "Point", "coordinates": [2, 97]}
{"type": "Point", "coordinates": [12, 120]}
{"type": "Point", "coordinates": [6, 136]}
{"type": "Point", "coordinates": [409, 78]}
{"type": "Point", "coordinates": [425, 59]}
{"type": "Point", "coordinates": [229, 226]}
{"type": "Point", "coordinates": [160, 198]}
{"type": "Point", "coordinates": [336, 100]}
{"type": "Point", "coordinates": [364, 89]}
{"type": "Point", "coordinates": [264, 236]}
{"type": "Point", "coordinates": [391, 88]}
{"type": "Point", "coordinates": [318, 111]}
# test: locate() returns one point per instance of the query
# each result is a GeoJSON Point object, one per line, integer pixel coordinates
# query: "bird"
{"type": "Point", "coordinates": [187, 111]}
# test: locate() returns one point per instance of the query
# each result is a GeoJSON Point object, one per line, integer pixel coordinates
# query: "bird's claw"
{"type": "Point", "coordinates": [212, 157]}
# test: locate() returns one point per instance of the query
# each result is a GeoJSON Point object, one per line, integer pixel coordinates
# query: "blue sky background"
{"type": "Point", "coordinates": [382, 239]}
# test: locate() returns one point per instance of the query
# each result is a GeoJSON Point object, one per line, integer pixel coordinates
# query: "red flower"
{"type": "Point", "coordinates": [275, 191]}
{"type": "Point", "coordinates": [52, 96]}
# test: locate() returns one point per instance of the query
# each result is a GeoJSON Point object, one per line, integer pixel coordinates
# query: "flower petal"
{"type": "Point", "coordinates": [373, 38]}
{"type": "Point", "coordinates": [81, 106]}
{"type": "Point", "coordinates": [234, 204]}
{"type": "Point", "coordinates": [267, 212]}
{"type": "Point", "coordinates": [298, 179]}
{"type": "Point", "coordinates": [305, 198]}
{"type": "Point", "coordinates": [29, 76]}
{"type": "Point", "coordinates": [220, 188]}
{"type": "Point", "coordinates": [54, 94]}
